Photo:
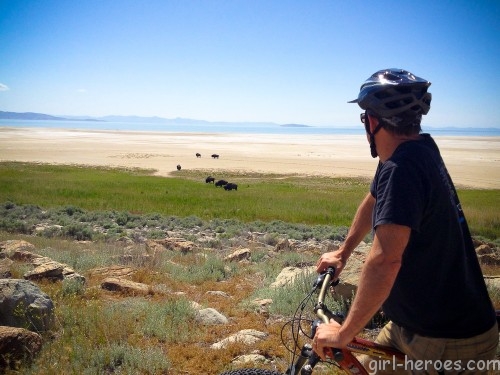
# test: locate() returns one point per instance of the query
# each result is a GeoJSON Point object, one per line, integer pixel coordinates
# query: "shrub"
{"type": "Point", "coordinates": [170, 322]}
{"type": "Point", "coordinates": [78, 231]}
{"type": "Point", "coordinates": [199, 270]}
{"type": "Point", "coordinates": [123, 358]}
{"type": "Point", "coordinates": [72, 287]}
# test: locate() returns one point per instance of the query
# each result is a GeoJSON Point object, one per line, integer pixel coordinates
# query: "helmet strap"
{"type": "Point", "coordinates": [373, 146]}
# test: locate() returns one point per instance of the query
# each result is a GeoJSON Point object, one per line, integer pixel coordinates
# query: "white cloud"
{"type": "Point", "coordinates": [4, 87]}
{"type": "Point", "coordinates": [81, 90]}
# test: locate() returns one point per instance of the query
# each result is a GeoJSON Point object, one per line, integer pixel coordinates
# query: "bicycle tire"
{"type": "Point", "coordinates": [251, 371]}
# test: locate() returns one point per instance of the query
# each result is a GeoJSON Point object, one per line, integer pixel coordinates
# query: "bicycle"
{"type": "Point", "coordinates": [304, 359]}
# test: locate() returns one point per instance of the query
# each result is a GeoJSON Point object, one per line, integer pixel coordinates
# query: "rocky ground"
{"type": "Point", "coordinates": [19, 337]}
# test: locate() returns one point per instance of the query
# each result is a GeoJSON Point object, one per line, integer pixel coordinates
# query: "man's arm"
{"type": "Point", "coordinates": [360, 226]}
{"type": "Point", "coordinates": [377, 278]}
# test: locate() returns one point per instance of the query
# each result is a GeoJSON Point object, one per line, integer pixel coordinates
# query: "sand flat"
{"type": "Point", "coordinates": [471, 161]}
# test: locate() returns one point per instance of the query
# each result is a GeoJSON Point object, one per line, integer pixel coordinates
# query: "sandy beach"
{"type": "Point", "coordinates": [471, 161]}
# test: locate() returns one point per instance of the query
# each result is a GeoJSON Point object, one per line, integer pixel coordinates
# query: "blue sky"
{"type": "Point", "coordinates": [283, 61]}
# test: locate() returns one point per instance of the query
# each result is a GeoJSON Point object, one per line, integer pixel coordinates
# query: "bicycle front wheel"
{"type": "Point", "coordinates": [251, 371]}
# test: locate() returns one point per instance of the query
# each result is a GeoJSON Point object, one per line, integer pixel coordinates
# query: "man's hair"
{"type": "Point", "coordinates": [402, 124]}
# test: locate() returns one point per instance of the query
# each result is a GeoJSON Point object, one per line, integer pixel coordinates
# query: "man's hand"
{"type": "Point", "coordinates": [327, 337]}
{"type": "Point", "coordinates": [332, 259]}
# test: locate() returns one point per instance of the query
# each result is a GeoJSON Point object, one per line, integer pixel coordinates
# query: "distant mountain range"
{"type": "Point", "coordinates": [27, 116]}
{"type": "Point", "coordinates": [133, 119]}
{"type": "Point", "coordinates": [37, 116]}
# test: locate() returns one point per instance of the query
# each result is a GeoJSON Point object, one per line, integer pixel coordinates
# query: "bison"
{"type": "Point", "coordinates": [215, 156]}
{"type": "Point", "coordinates": [198, 155]}
{"type": "Point", "coordinates": [178, 167]}
{"type": "Point", "coordinates": [230, 186]}
{"type": "Point", "coordinates": [209, 179]}
{"type": "Point", "coordinates": [220, 183]}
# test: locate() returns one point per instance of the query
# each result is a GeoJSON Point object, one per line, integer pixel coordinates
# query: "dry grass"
{"type": "Point", "coordinates": [95, 324]}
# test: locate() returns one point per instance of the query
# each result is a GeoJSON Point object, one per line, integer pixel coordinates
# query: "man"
{"type": "Point", "coordinates": [422, 268]}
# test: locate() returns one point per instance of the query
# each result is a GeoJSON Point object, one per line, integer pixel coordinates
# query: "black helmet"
{"type": "Point", "coordinates": [390, 92]}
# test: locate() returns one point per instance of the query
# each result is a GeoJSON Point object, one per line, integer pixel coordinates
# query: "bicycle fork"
{"type": "Point", "coordinates": [308, 355]}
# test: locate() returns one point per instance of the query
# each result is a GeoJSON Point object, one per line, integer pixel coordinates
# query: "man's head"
{"type": "Point", "coordinates": [397, 99]}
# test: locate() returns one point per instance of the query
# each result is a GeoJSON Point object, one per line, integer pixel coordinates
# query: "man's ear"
{"type": "Point", "coordinates": [373, 123]}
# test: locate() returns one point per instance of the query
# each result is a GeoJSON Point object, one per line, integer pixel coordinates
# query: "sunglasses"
{"type": "Point", "coordinates": [364, 119]}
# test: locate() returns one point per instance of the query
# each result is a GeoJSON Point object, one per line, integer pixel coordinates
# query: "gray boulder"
{"type": "Point", "coordinates": [210, 316]}
{"type": "Point", "coordinates": [24, 305]}
{"type": "Point", "coordinates": [246, 336]}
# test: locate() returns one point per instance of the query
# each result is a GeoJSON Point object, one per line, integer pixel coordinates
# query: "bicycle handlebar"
{"type": "Point", "coordinates": [325, 280]}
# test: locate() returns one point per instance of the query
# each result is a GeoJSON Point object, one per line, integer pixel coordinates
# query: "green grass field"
{"type": "Point", "coordinates": [98, 331]}
{"type": "Point", "coordinates": [293, 199]}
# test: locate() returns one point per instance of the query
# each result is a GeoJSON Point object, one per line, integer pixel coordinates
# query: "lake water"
{"type": "Point", "coordinates": [227, 127]}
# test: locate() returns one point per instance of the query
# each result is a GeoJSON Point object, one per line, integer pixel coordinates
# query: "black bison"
{"type": "Point", "coordinates": [198, 155]}
{"type": "Point", "coordinates": [220, 183]}
{"type": "Point", "coordinates": [178, 167]}
{"type": "Point", "coordinates": [209, 179]}
{"type": "Point", "coordinates": [230, 186]}
{"type": "Point", "coordinates": [215, 156]}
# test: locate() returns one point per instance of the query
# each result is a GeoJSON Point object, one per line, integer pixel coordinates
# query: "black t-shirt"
{"type": "Point", "coordinates": [439, 290]}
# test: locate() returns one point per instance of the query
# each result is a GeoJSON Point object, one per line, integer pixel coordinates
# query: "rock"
{"type": "Point", "coordinates": [283, 245]}
{"type": "Point", "coordinates": [484, 249]}
{"type": "Point", "coordinates": [349, 278]}
{"type": "Point", "coordinates": [11, 246]}
{"type": "Point", "coordinates": [76, 277]}
{"type": "Point", "coordinates": [25, 256]}
{"type": "Point", "coordinates": [250, 358]}
{"type": "Point", "coordinates": [24, 305]}
{"type": "Point", "coordinates": [45, 268]}
{"type": "Point", "coordinates": [153, 247]}
{"type": "Point", "coordinates": [491, 259]}
{"type": "Point", "coordinates": [263, 306]}
{"type": "Point", "coordinates": [179, 244]}
{"type": "Point", "coordinates": [262, 302]}
{"type": "Point", "coordinates": [5, 265]}
{"type": "Point", "coordinates": [288, 275]}
{"type": "Point", "coordinates": [17, 345]}
{"type": "Point", "coordinates": [112, 271]}
{"type": "Point", "coordinates": [50, 270]}
{"type": "Point", "coordinates": [492, 282]}
{"type": "Point", "coordinates": [195, 305]}
{"type": "Point", "coordinates": [238, 255]}
{"type": "Point", "coordinates": [246, 336]}
{"type": "Point", "coordinates": [211, 316]}
{"type": "Point", "coordinates": [116, 284]}
{"type": "Point", "coordinates": [70, 274]}
{"type": "Point", "coordinates": [218, 293]}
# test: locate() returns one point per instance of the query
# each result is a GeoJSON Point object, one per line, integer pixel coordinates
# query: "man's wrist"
{"type": "Point", "coordinates": [345, 336]}
{"type": "Point", "coordinates": [344, 253]}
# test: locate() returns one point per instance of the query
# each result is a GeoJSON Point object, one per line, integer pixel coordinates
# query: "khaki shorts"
{"type": "Point", "coordinates": [427, 355]}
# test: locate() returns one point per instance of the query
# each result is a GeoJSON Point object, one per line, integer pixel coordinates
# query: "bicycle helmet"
{"type": "Point", "coordinates": [391, 92]}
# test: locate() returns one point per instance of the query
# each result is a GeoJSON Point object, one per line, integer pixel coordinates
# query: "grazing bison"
{"type": "Point", "coordinates": [178, 167]}
{"type": "Point", "coordinates": [198, 155]}
{"type": "Point", "coordinates": [230, 186]}
{"type": "Point", "coordinates": [210, 179]}
{"type": "Point", "coordinates": [215, 156]}
{"type": "Point", "coordinates": [220, 183]}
